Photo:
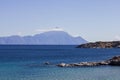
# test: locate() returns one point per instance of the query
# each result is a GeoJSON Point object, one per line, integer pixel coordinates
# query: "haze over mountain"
{"type": "Point", "coordinates": [46, 38]}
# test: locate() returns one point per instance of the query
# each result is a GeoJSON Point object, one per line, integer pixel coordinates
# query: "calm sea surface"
{"type": "Point", "coordinates": [27, 63]}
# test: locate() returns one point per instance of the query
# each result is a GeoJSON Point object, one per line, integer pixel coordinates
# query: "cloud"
{"type": "Point", "coordinates": [117, 37]}
{"type": "Point", "coordinates": [46, 30]}
{"type": "Point", "coordinates": [19, 33]}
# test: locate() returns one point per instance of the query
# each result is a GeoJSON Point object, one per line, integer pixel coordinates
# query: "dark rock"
{"type": "Point", "coordinates": [115, 61]}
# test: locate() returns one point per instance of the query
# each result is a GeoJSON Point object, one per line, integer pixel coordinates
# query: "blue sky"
{"type": "Point", "coordinates": [94, 20]}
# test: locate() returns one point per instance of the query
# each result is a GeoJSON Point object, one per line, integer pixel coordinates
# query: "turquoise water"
{"type": "Point", "coordinates": [27, 63]}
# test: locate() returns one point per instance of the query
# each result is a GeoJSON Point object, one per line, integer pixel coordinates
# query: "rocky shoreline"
{"type": "Point", "coordinates": [115, 61]}
{"type": "Point", "coordinates": [100, 44]}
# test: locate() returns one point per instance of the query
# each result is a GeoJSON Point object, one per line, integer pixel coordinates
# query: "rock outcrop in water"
{"type": "Point", "coordinates": [115, 61]}
{"type": "Point", "coordinates": [112, 44]}
{"type": "Point", "coordinates": [82, 64]}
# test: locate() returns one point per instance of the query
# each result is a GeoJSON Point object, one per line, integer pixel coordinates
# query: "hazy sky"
{"type": "Point", "coordinates": [94, 20]}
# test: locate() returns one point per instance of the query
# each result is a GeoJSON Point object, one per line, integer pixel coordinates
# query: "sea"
{"type": "Point", "coordinates": [27, 62]}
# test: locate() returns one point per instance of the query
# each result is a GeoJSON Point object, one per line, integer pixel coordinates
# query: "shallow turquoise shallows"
{"type": "Point", "coordinates": [27, 63]}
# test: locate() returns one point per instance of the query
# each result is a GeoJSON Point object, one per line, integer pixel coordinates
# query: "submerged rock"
{"type": "Point", "coordinates": [47, 63]}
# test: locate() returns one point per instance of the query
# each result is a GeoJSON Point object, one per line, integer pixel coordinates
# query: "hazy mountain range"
{"type": "Point", "coordinates": [46, 38]}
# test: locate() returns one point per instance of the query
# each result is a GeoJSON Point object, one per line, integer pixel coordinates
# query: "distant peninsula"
{"type": "Point", "coordinates": [46, 38]}
{"type": "Point", "coordinates": [101, 44]}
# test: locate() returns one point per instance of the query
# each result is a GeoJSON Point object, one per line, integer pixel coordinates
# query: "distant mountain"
{"type": "Point", "coordinates": [46, 38]}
